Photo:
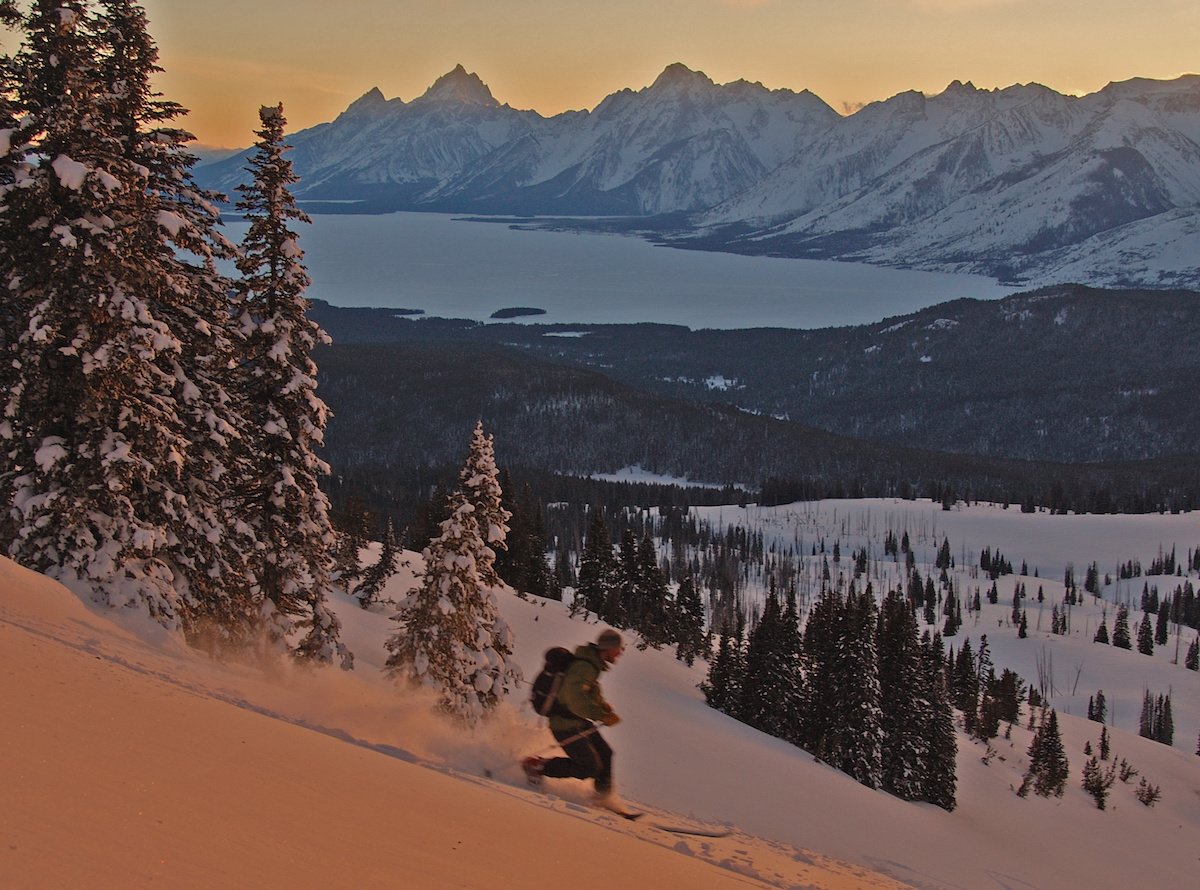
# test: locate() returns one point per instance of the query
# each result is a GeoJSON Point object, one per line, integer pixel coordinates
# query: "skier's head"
{"type": "Point", "coordinates": [610, 645]}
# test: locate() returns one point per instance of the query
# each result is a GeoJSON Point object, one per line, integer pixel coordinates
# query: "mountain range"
{"type": "Point", "coordinates": [1024, 184]}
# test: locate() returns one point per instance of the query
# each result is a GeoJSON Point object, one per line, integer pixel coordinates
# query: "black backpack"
{"type": "Point", "coordinates": [546, 685]}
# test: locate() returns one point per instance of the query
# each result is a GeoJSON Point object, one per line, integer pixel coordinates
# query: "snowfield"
{"type": "Point", "coordinates": [131, 760]}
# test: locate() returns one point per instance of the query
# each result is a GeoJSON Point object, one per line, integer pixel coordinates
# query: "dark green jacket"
{"type": "Point", "coordinates": [580, 692]}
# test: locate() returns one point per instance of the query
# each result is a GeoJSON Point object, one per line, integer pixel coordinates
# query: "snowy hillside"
{"type": "Point", "coordinates": [1021, 183]}
{"type": "Point", "coordinates": [132, 761]}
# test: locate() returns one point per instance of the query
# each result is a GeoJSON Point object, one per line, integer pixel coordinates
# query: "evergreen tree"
{"type": "Point", "coordinates": [1008, 692]}
{"type": "Point", "coordinates": [1164, 722]}
{"type": "Point", "coordinates": [451, 637]}
{"type": "Point", "coordinates": [688, 621]}
{"type": "Point", "coordinates": [964, 686]}
{"type": "Point", "coordinates": [1048, 768]}
{"type": "Point", "coordinates": [1161, 629]}
{"type": "Point", "coordinates": [378, 573]}
{"type": "Point", "coordinates": [1101, 633]}
{"type": "Point", "coordinates": [653, 597]}
{"type": "Point", "coordinates": [1105, 744]}
{"type": "Point", "coordinates": [767, 683]}
{"type": "Point", "coordinates": [624, 608]}
{"type": "Point", "coordinates": [939, 779]}
{"type": "Point", "coordinates": [430, 514]}
{"type": "Point", "coordinates": [352, 526]}
{"type": "Point", "coordinates": [1191, 661]}
{"type": "Point", "coordinates": [1146, 720]}
{"type": "Point", "coordinates": [721, 687]}
{"type": "Point", "coordinates": [821, 692]}
{"type": "Point", "coordinates": [1145, 636]}
{"type": "Point", "coordinates": [903, 700]}
{"type": "Point", "coordinates": [522, 564]}
{"type": "Point", "coordinates": [854, 742]}
{"type": "Point", "coordinates": [1098, 707]}
{"type": "Point", "coordinates": [1120, 637]}
{"type": "Point", "coordinates": [597, 571]}
{"type": "Point", "coordinates": [118, 424]}
{"type": "Point", "coordinates": [1098, 781]}
{"type": "Point", "coordinates": [479, 480]}
{"type": "Point", "coordinates": [280, 498]}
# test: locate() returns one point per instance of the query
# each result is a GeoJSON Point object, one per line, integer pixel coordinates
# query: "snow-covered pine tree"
{"type": "Point", "coordinates": [451, 636]}
{"type": "Point", "coordinates": [856, 731]}
{"type": "Point", "coordinates": [376, 575]}
{"type": "Point", "coordinates": [480, 482]}
{"type": "Point", "coordinates": [939, 776]}
{"type": "Point", "coordinates": [772, 677]}
{"type": "Point", "coordinates": [903, 698]}
{"type": "Point", "coordinates": [278, 468]}
{"type": "Point", "coordinates": [1191, 660]}
{"type": "Point", "coordinates": [117, 425]}
{"type": "Point", "coordinates": [820, 689]}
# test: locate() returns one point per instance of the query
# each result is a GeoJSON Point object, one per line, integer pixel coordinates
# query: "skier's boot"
{"type": "Point", "coordinates": [533, 767]}
{"type": "Point", "coordinates": [606, 800]}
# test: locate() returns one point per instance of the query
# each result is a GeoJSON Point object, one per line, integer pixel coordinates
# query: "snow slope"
{"type": "Point", "coordinates": [129, 761]}
{"type": "Point", "coordinates": [136, 761]}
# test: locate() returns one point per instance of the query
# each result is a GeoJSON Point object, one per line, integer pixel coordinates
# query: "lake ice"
{"type": "Point", "coordinates": [455, 268]}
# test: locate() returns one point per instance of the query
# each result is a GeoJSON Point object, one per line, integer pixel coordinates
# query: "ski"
{"type": "Point", "coordinates": [691, 830]}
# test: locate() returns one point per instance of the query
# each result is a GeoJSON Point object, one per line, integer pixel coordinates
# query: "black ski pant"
{"type": "Point", "coordinates": [588, 757]}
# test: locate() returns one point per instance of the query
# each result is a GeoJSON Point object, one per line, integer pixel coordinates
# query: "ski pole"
{"type": "Point", "coordinates": [592, 727]}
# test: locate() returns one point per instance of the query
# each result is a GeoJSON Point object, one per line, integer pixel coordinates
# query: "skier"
{"type": "Point", "coordinates": [579, 703]}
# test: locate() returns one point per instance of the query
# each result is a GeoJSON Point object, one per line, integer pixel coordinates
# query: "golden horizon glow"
{"type": "Point", "coordinates": [223, 59]}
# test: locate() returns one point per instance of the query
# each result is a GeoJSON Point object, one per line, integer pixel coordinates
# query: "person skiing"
{"type": "Point", "coordinates": [579, 703]}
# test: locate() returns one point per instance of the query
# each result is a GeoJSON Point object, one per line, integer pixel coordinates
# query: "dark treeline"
{"type": "Point", "coordinates": [401, 412]}
{"type": "Point", "coordinates": [1067, 373]}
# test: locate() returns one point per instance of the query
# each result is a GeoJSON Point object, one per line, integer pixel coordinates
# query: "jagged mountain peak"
{"type": "Point", "coordinates": [461, 87]}
{"type": "Point", "coordinates": [677, 76]}
{"type": "Point", "coordinates": [370, 97]}
{"type": "Point", "coordinates": [369, 105]}
{"type": "Point", "coordinates": [961, 88]}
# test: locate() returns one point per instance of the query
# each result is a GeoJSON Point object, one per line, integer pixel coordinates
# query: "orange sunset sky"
{"type": "Point", "coordinates": [225, 58]}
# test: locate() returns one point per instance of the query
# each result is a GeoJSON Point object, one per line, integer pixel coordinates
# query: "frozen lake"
{"type": "Point", "coordinates": [456, 268]}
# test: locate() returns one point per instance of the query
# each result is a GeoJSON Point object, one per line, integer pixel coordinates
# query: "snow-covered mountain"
{"type": "Point", "coordinates": [1019, 183]}
{"type": "Point", "coordinates": [682, 143]}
